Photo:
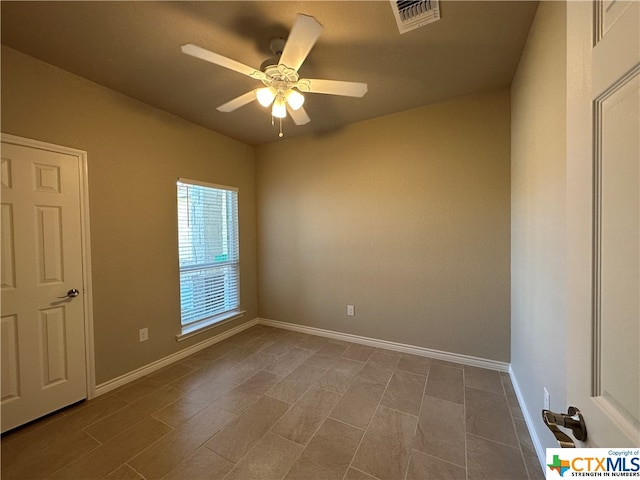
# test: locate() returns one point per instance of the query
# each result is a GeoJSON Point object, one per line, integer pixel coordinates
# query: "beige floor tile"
{"type": "Point", "coordinates": [26, 434]}
{"type": "Point", "coordinates": [271, 458]}
{"type": "Point", "coordinates": [386, 358]}
{"type": "Point", "coordinates": [305, 373]}
{"type": "Point", "coordinates": [534, 469]}
{"type": "Point", "coordinates": [359, 402]}
{"type": "Point", "coordinates": [330, 450]}
{"type": "Point", "coordinates": [354, 474]}
{"type": "Point", "coordinates": [340, 376]}
{"type": "Point", "coordinates": [161, 457]}
{"type": "Point", "coordinates": [106, 458]}
{"type": "Point", "coordinates": [196, 362]}
{"type": "Point", "coordinates": [238, 373]}
{"type": "Point", "coordinates": [137, 389]}
{"type": "Point", "coordinates": [202, 465]}
{"type": "Point", "coordinates": [211, 390]}
{"type": "Point", "coordinates": [236, 401]}
{"type": "Point", "coordinates": [247, 393]}
{"type": "Point", "coordinates": [44, 453]}
{"type": "Point", "coordinates": [180, 411]}
{"type": "Point", "coordinates": [445, 383]}
{"type": "Point", "coordinates": [294, 385]}
{"type": "Point", "coordinates": [512, 399]}
{"type": "Point", "coordinates": [170, 373]}
{"type": "Point", "coordinates": [296, 337]}
{"type": "Point", "coordinates": [313, 342]}
{"type": "Point", "coordinates": [414, 364]}
{"type": "Point", "coordinates": [441, 430]}
{"type": "Point", "coordinates": [377, 373]}
{"type": "Point", "coordinates": [404, 392]}
{"type": "Point", "coordinates": [203, 375]}
{"type": "Point", "coordinates": [111, 426]}
{"type": "Point", "coordinates": [223, 347]}
{"type": "Point", "coordinates": [247, 349]}
{"type": "Point", "coordinates": [288, 362]}
{"type": "Point", "coordinates": [288, 392]}
{"type": "Point", "coordinates": [307, 469]}
{"type": "Point", "coordinates": [422, 467]}
{"type": "Point", "coordinates": [359, 353]}
{"type": "Point", "coordinates": [208, 354]}
{"type": "Point", "coordinates": [380, 366]}
{"type": "Point", "coordinates": [482, 379]}
{"type": "Point", "coordinates": [90, 412]}
{"type": "Point", "coordinates": [259, 360]}
{"type": "Point", "coordinates": [278, 348]}
{"type": "Point", "coordinates": [323, 413]}
{"type": "Point", "coordinates": [124, 472]}
{"type": "Point", "coordinates": [386, 446]}
{"type": "Point", "coordinates": [327, 355]}
{"type": "Point", "coordinates": [237, 438]}
{"type": "Point", "coordinates": [304, 418]}
{"type": "Point", "coordinates": [445, 363]}
{"type": "Point", "coordinates": [493, 461]}
{"type": "Point", "coordinates": [487, 416]}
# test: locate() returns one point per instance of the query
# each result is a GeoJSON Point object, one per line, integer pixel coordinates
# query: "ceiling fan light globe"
{"type": "Point", "coordinates": [265, 96]}
{"type": "Point", "coordinates": [295, 99]}
{"type": "Point", "coordinates": [279, 110]}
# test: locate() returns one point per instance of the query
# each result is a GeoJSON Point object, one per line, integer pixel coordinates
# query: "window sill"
{"type": "Point", "coordinates": [207, 324]}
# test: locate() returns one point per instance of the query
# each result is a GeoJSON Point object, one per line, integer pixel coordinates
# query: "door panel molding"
{"type": "Point", "coordinates": [615, 404]}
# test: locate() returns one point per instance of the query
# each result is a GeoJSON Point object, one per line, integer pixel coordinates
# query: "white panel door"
{"type": "Point", "coordinates": [603, 211]}
{"type": "Point", "coordinates": [42, 335]}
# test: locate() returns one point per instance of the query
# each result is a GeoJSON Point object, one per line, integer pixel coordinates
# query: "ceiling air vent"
{"type": "Point", "coordinates": [411, 14]}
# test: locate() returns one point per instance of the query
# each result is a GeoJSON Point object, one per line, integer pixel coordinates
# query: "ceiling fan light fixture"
{"type": "Point", "coordinates": [265, 96]}
{"type": "Point", "coordinates": [279, 110]}
{"type": "Point", "coordinates": [295, 99]}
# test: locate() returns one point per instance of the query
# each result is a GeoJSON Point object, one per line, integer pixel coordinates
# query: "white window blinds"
{"type": "Point", "coordinates": [208, 250]}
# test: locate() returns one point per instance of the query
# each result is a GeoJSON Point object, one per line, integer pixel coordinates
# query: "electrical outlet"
{"type": "Point", "coordinates": [143, 333]}
{"type": "Point", "coordinates": [547, 399]}
{"type": "Point", "coordinates": [351, 310]}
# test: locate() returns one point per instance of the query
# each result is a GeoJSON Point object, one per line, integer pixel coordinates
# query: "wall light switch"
{"type": "Point", "coordinates": [351, 310]}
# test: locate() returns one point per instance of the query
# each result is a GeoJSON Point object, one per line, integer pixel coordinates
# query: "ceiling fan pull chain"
{"type": "Point", "coordinates": [280, 135]}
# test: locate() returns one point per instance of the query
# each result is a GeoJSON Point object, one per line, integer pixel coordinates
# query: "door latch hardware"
{"type": "Point", "coordinates": [573, 420]}
{"type": "Point", "coordinates": [71, 293]}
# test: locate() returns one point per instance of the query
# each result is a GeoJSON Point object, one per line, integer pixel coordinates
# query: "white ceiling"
{"type": "Point", "coordinates": [134, 48]}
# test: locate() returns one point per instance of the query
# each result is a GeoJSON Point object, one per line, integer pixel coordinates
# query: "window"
{"type": "Point", "coordinates": [208, 253]}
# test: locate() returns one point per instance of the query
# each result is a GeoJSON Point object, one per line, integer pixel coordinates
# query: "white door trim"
{"type": "Point", "coordinates": [87, 297]}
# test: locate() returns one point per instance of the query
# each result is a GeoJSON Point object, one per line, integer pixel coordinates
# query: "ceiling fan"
{"type": "Point", "coordinates": [279, 74]}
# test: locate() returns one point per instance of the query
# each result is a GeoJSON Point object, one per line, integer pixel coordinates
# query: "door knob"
{"type": "Point", "coordinates": [573, 419]}
{"type": "Point", "coordinates": [71, 293]}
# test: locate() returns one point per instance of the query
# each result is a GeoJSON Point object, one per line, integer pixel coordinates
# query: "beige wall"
{"type": "Point", "coordinates": [405, 216]}
{"type": "Point", "coordinates": [538, 202]}
{"type": "Point", "coordinates": [135, 154]}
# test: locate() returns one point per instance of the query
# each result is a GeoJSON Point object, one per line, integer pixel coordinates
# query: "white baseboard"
{"type": "Point", "coordinates": [540, 450]}
{"type": "Point", "coordinates": [398, 347]}
{"type": "Point", "coordinates": [163, 362]}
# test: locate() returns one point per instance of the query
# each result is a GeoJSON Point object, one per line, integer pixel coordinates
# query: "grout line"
{"type": "Point", "coordinates": [524, 461]}
{"type": "Point", "coordinates": [415, 430]}
{"type": "Point", "coordinates": [373, 416]}
{"type": "Point", "coordinates": [464, 415]}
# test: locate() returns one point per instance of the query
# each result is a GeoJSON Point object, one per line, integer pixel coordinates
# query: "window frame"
{"type": "Point", "coordinates": [202, 324]}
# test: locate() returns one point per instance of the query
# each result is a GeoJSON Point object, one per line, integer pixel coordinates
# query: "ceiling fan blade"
{"type": "Point", "coordinates": [298, 116]}
{"type": "Point", "coordinates": [238, 102]}
{"type": "Point", "coordinates": [303, 36]}
{"type": "Point", "coordinates": [332, 87]}
{"type": "Point", "coordinates": [208, 56]}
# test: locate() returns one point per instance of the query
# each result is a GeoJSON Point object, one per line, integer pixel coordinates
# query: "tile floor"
{"type": "Point", "coordinates": [274, 404]}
